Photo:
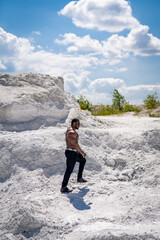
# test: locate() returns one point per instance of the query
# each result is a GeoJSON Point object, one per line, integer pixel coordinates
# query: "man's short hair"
{"type": "Point", "coordinates": [74, 120]}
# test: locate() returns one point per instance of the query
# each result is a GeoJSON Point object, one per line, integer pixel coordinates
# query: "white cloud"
{"type": "Point", "coordinates": [143, 43]}
{"type": "Point", "coordinates": [139, 88]}
{"type": "Point", "coordinates": [101, 90]}
{"type": "Point", "coordinates": [103, 15]}
{"type": "Point", "coordinates": [97, 98]}
{"type": "Point", "coordinates": [51, 63]}
{"type": "Point", "coordinates": [117, 69]}
{"type": "Point", "coordinates": [110, 49]}
{"type": "Point", "coordinates": [137, 93]}
{"type": "Point", "coordinates": [134, 94]}
{"type": "Point", "coordinates": [112, 16]}
{"type": "Point", "coordinates": [10, 45]}
{"type": "Point", "coordinates": [18, 55]}
{"type": "Point", "coordinates": [39, 46]}
{"type": "Point", "coordinates": [115, 48]}
{"type": "Point", "coordinates": [85, 44]}
{"type": "Point", "coordinates": [138, 41]}
{"type": "Point", "coordinates": [110, 81]}
{"type": "Point", "coordinates": [2, 66]}
{"type": "Point", "coordinates": [103, 85]}
{"type": "Point", "coordinates": [36, 33]}
{"type": "Point", "coordinates": [75, 83]}
{"type": "Point", "coordinates": [122, 69]}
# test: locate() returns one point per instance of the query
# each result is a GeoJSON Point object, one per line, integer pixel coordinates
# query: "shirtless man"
{"type": "Point", "coordinates": [73, 154]}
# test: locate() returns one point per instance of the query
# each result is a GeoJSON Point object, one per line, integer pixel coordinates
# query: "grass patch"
{"type": "Point", "coordinates": [154, 115]}
{"type": "Point", "coordinates": [106, 110]}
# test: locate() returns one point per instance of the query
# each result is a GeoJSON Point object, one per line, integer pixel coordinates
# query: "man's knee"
{"type": "Point", "coordinates": [69, 170]}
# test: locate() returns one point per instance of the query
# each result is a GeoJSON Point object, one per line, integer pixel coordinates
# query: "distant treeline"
{"type": "Point", "coordinates": [119, 105]}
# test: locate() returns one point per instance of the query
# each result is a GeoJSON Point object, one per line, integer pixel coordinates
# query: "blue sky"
{"type": "Point", "coordinates": [95, 45]}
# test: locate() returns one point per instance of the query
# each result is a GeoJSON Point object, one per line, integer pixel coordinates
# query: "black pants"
{"type": "Point", "coordinates": [72, 158]}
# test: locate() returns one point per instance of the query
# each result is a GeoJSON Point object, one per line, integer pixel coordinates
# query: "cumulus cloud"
{"type": "Point", "coordinates": [103, 15]}
{"type": "Point", "coordinates": [110, 81]}
{"type": "Point", "coordinates": [19, 55]}
{"type": "Point", "coordinates": [137, 93]}
{"type": "Point", "coordinates": [106, 84]}
{"type": "Point", "coordinates": [102, 85]}
{"type": "Point", "coordinates": [101, 91]}
{"type": "Point", "coordinates": [36, 32]}
{"type": "Point", "coordinates": [115, 69]}
{"type": "Point", "coordinates": [143, 43]}
{"type": "Point", "coordinates": [85, 44]}
{"type": "Point", "coordinates": [97, 98]}
{"type": "Point", "coordinates": [112, 16]}
{"type": "Point", "coordinates": [140, 88]}
{"type": "Point", "coordinates": [11, 48]}
{"type": "Point", "coordinates": [11, 45]}
{"type": "Point", "coordinates": [75, 83]}
{"type": "Point", "coordinates": [2, 66]}
{"type": "Point", "coordinates": [138, 42]}
{"type": "Point", "coordinates": [122, 69]}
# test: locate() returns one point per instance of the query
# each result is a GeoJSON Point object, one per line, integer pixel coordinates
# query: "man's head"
{"type": "Point", "coordinates": [75, 123]}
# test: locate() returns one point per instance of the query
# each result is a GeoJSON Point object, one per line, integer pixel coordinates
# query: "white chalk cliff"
{"type": "Point", "coordinates": [29, 100]}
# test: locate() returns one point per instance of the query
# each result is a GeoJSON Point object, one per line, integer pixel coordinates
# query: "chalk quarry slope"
{"type": "Point", "coordinates": [29, 100]}
{"type": "Point", "coordinates": [120, 201]}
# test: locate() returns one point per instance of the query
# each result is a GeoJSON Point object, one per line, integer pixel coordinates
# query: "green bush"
{"type": "Point", "coordinates": [151, 101]}
{"type": "Point", "coordinates": [154, 115]}
{"type": "Point", "coordinates": [101, 111]}
{"type": "Point", "coordinates": [84, 103]}
{"type": "Point", "coordinates": [130, 108]}
{"type": "Point", "coordinates": [104, 110]}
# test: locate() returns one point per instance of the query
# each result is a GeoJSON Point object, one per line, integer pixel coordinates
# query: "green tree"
{"type": "Point", "coordinates": [84, 103]}
{"type": "Point", "coordinates": [118, 100]}
{"type": "Point", "coordinates": [151, 101]}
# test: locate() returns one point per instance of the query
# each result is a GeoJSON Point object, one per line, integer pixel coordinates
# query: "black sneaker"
{"type": "Point", "coordinates": [81, 180]}
{"type": "Point", "coordinates": [65, 190]}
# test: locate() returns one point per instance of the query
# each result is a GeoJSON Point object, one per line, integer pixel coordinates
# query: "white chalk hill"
{"type": "Point", "coordinates": [29, 100]}
{"type": "Point", "coordinates": [121, 199]}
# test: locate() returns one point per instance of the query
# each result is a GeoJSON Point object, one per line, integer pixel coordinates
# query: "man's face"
{"type": "Point", "coordinates": [77, 124]}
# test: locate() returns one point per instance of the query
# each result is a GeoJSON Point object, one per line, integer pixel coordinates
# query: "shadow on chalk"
{"type": "Point", "coordinates": [77, 199]}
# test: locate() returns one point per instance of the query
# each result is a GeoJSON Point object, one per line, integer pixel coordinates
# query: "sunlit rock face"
{"type": "Point", "coordinates": [29, 100]}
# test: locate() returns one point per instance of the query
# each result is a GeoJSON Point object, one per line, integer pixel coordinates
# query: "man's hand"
{"type": "Point", "coordinates": [83, 154]}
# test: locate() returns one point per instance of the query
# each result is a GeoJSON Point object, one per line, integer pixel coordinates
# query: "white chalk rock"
{"type": "Point", "coordinates": [112, 178]}
{"type": "Point", "coordinates": [110, 162]}
{"type": "Point", "coordinates": [85, 117]}
{"type": "Point", "coordinates": [123, 177]}
{"type": "Point", "coordinates": [29, 100]}
{"type": "Point", "coordinates": [128, 172]}
{"type": "Point", "coordinates": [23, 221]}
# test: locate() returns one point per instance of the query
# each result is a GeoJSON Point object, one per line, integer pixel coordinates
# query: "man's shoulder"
{"type": "Point", "coordinates": [70, 130]}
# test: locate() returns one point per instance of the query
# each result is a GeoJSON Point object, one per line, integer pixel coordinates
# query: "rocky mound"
{"type": "Point", "coordinates": [29, 100]}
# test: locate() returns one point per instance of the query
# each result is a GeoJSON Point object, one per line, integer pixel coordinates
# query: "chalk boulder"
{"type": "Point", "coordinates": [29, 100]}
